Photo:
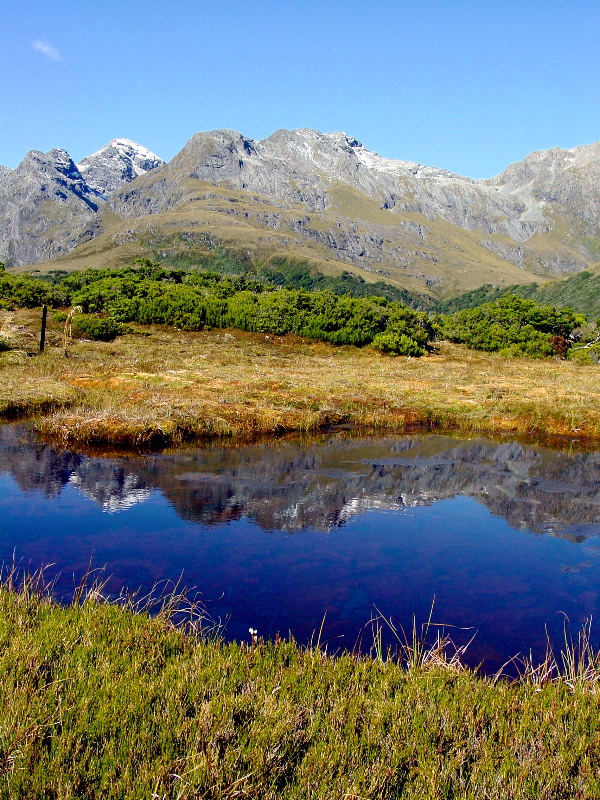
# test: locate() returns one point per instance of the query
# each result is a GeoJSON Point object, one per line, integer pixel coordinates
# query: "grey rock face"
{"type": "Point", "coordinates": [303, 170]}
{"type": "Point", "coordinates": [400, 185]}
{"type": "Point", "coordinates": [119, 162]}
{"type": "Point", "coordinates": [46, 208]}
{"type": "Point", "coordinates": [324, 189]}
{"type": "Point", "coordinates": [564, 179]}
{"type": "Point", "coordinates": [302, 167]}
{"type": "Point", "coordinates": [48, 205]}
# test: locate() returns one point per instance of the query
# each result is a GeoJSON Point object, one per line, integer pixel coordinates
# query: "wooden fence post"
{"type": "Point", "coordinates": [43, 330]}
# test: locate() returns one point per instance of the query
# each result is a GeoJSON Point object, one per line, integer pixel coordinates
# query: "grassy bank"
{"type": "Point", "coordinates": [160, 386]}
{"type": "Point", "coordinates": [102, 702]}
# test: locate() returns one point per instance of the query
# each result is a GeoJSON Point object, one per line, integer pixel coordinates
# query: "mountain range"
{"type": "Point", "coordinates": [304, 195]}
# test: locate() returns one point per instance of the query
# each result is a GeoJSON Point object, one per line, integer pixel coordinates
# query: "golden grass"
{"type": "Point", "coordinates": [172, 385]}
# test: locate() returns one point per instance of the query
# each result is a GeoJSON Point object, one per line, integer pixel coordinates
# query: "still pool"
{"type": "Point", "coordinates": [294, 535]}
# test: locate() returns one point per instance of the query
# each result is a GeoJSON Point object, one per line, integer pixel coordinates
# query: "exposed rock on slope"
{"type": "Point", "coordinates": [377, 213]}
{"type": "Point", "coordinates": [48, 205]}
{"type": "Point", "coordinates": [118, 162]}
{"type": "Point", "coordinates": [565, 181]}
{"type": "Point", "coordinates": [303, 168]}
{"type": "Point", "coordinates": [46, 208]}
{"type": "Point", "coordinates": [323, 197]}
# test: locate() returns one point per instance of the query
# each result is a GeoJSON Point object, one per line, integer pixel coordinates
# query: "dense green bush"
{"type": "Point", "coordinates": [23, 291]}
{"type": "Point", "coordinates": [103, 329]}
{"type": "Point", "coordinates": [197, 300]}
{"type": "Point", "coordinates": [514, 326]}
{"type": "Point", "coordinates": [474, 298]}
{"type": "Point", "coordinates": [289, 274]}
{"type": "Point", "coordinates": [581, 292]}
{"type": "Point", "coordinates": [396, 343]}
{"type": "Point", "coordinates": [585, 355]}
{"type": "Point", "coordinates": [586, 348]}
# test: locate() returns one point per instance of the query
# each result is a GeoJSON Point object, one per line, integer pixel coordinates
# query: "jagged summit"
{"type": "Point", "coordinates": [569, 178]}
{"type": "Point", "coordinates": [312, 195]}
{"type": "Point", "coordinates": [305, 167]}
{"type": "Point", "coordinates": [46, 192]}
{"type": "Point", "coordinates": [49, 192]}
{"type": "Point", "coordinates": [118, 162]}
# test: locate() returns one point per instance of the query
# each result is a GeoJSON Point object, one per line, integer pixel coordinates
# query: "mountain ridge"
{"type": "Point", "coordinates": [322, 197]}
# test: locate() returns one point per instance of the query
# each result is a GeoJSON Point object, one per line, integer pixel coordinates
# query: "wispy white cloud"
{"type": "Point", "coordinates": [47, 49]}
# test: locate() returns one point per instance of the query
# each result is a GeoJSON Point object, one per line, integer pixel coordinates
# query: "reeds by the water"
{"type": "Point", "coordinates": [575, 666]}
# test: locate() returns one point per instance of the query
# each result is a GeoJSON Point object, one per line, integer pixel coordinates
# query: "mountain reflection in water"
{"type": "Point", "coordinates": [309, 486]}
{"type": "Point", "coordinates": [293, 486]}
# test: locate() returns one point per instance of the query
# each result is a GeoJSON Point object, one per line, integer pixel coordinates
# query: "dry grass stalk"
{"type": "Point", "coordinates": [577, 666]}
{"type": "Point", "coordinates": [67, 336]}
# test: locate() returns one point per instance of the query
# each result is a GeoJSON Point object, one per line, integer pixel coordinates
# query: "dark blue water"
{"type": "Point", "coordinates": [504, 536]}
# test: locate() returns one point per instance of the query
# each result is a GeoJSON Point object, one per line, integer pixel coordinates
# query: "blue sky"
{"type": "Point", "coordinates": [469, 86]}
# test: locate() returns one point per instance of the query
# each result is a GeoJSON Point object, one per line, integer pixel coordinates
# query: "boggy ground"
{"type": "Point", "coordinates": [160, 386]}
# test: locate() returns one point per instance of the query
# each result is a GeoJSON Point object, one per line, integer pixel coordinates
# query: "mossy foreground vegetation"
{"type": "Point", "coordinates": [101, 701]}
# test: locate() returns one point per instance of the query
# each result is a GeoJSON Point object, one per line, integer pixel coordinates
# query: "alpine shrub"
{"type": "Point", "coordinates": [103, 329]}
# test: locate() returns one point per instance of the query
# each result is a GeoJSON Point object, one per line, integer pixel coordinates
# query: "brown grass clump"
{"type": "Point", "coordinates": [168, 386]}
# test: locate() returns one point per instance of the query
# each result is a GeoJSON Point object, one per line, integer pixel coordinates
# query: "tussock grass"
{"type": "Point", "coordinates": [103, 700]}
{"type": "Point", "coordinates": [172, 385]}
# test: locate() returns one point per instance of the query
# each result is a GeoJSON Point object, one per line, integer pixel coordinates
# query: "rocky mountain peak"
{"type": "Point", "coordinates": [558, 177]}
{"type": "Point", "coordinates": [546, 165]}
{"type": "Point", "coordinates": [63, 163]}
{"type": "Point", "coordinates": [208, 152]}
{"type": "Point", "coordinates": [52, 174]}
{"type": "Point", "coordinates": [46, 192]}
{"type": "Point", "coordinates": [118, 162]}
{"type": "Point", "coordinates": [318, 193]}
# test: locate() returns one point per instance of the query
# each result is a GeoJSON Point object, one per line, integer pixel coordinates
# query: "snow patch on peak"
{"type": "Point", "coordinates": [313, 143]}
{"type": "Point", "coordinates": [118, 162]}
{"type": "Point", "coordinates": [129, 143]}
{"type": "Point", "coordinates": [125, 147]}
{"type": "Point", "coordinates": [390, 165]}
{"type": "Point", "coordinates": [129, 147]}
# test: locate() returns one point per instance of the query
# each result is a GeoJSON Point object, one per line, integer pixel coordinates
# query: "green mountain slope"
{"type": "Point", "coordinates": [580, 292]}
